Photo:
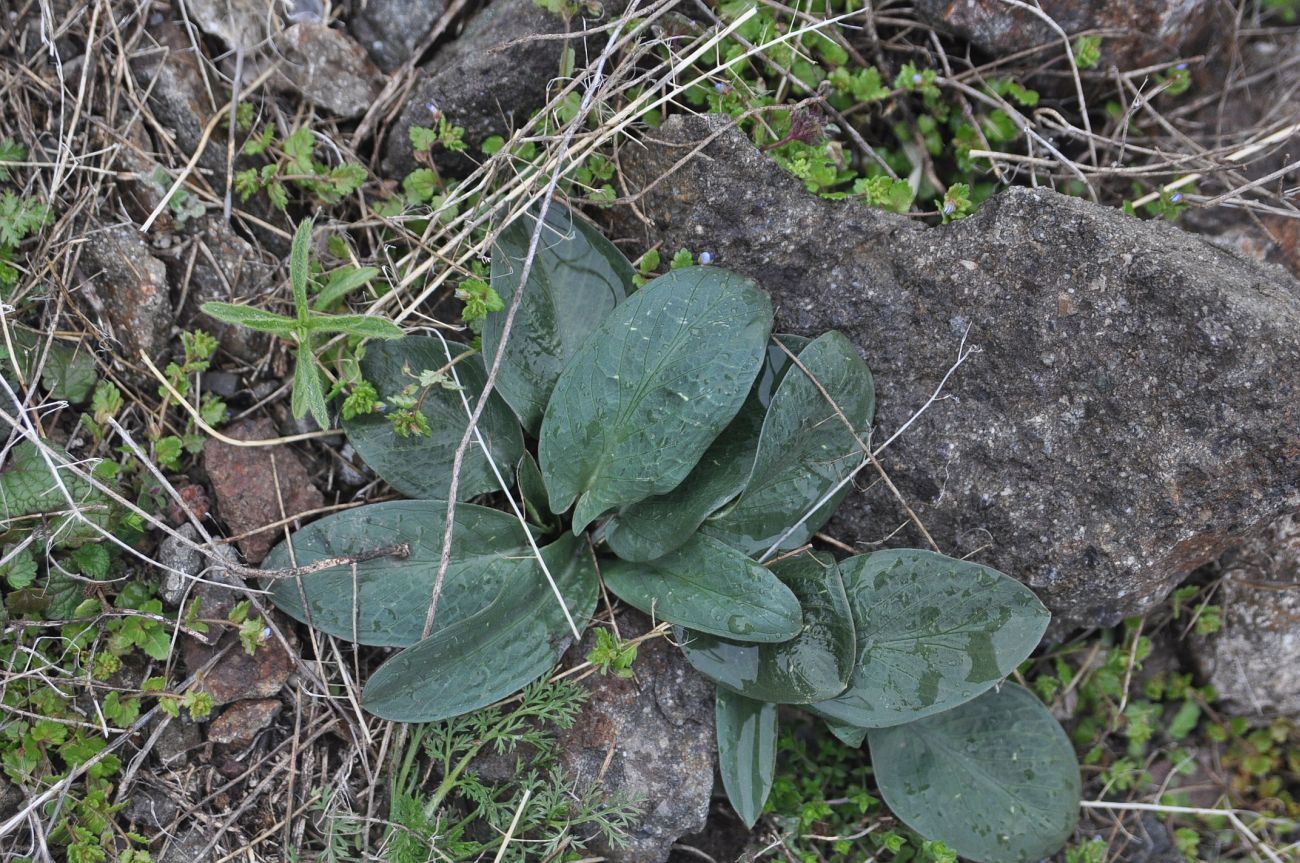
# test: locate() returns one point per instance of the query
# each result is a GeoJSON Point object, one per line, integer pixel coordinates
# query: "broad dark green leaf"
{"type": "Point", "coordinates": [420, 466]}
{"type": "Point", "coordinates": [532, 491]}
{"type": "Point", "coordinates": [655, 526]}
{"type": "Point", "coordinates": [996, 779]}
{"type": "Point", "coordinates": [69, 372]}
{"type": "Point", "coordinates": [650, 389]}
{"type": "Point", "coordinates": [933, 632]}
{"type": "Point", "coordinates": [849, 735]}
{"type": "Point", "coordinates": [711, 588]}
{"type": "Point", "coordinates": [746, 752]}
{"type": "Point", "coordinates": [577, 278]}
{"type": "Point", "coordinates": [515, 639]}
{"type": "Point", "coordinates": [805, 449]}
{"type": "Point", "coordinates": [813, 666]}
{"type": "Point", "coordinates": [72, 511]}
{"type": "Point", "coordinates": [391, 595]}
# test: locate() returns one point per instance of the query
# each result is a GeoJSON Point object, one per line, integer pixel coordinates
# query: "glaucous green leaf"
{"type": "Point", "coordinates": [746, 752]}
{"type": "Point", "coordinates": [996, 779]}
{"type": "Point", "coordinates": [812, 666]}
{"type": "Point", "coordinates": [933, 632]}
{"type": "Point", "coordinates": [577, 278]}
{"type": "Point", "coordinates": [849, 735]}
{"type": "Point", "coordinates": [386, 603]}
{"type": "Point", "coordinates": [804, 450]}
{"type": "Point", "coordinates": [515, 639]}
{"type": "Point", "coordinates": [420, 466]}
{"type": "Point", "coordinates": [308, 392]}
{"type": "Point", "coordinates": [364, 326]}
{"type": "Point", "coordinates": [711, 588]}
{"type": "Point", "coordinates": [655, 526]}
{"type": "Point", "coordinates": [650, 389]}
{"type": "Point", "coordinates": [532, 492]}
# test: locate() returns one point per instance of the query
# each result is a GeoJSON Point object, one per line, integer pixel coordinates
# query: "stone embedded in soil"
{"type": "Point", "coordinates": [659, 728]}
{"type": "Point", "coordinates": [1135, 32]}
{"type": "Point", "coordinates": [241, 722]}
{"type": "Point", "coordinates": [244, 480]}
{"type": "Point", "coordinates": [327, 68]}
{"type": "Point", "coordinates": [149, 808]}
{"type": "Point", "coordinates": [1135, 407]}
{"type": "Point", "coordinates": [490, 79]}
{"type": "Point", "coordinates": [238, 676]}
{"type": "Point", "coordinates": [392, 29]}
{"type": "Point", "coordinates": [172, 77]}
{"type": "Point", "coordinates": [131, 285]}
{"type": "Point", "coordinates": [176, 741]}
{"type": "Point", "coordinates": [1253, 661]}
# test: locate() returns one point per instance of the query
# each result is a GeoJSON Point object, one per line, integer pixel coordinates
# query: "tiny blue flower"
{"type": "Point", "coordinates": [917, 78]}
{"type": "Point", "coordinates": [433, 107]}
{"type": "Point", "coordinates": [1176, 197]}
{"type": "Point", "coordinates": [948, 208]}
{"type": "Point", "coordinates": [706, 258]}
{"type": "Point", "coordinates": [1181, 67]}
{"type": "Point", "coordinates": [720, 87]}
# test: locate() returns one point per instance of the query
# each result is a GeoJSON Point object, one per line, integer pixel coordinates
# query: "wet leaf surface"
{"type": "Point", "coordinates": [746, 752]}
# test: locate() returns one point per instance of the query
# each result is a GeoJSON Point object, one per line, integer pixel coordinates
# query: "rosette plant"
{"type": "Point", "coordinates": [686, 456]}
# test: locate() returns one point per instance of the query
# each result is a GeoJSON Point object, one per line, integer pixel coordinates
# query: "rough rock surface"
{"type": "Point", "coordinates": [1136, 32]}
{"type": "Point", "coordinates": [131, 285]}
{"type": "Point", "coordinates": [242, 721]}
{"type": "Point", "coordinates": [1254, 659]}
{"type": "Point", "coordinates": [244, 480]}
{"type": "Point", "coordinates": [238, 676]}
{"type": "Point", "coordinates": [659, 728]}
{"type": "Point", "coordinates": [489, 80]}
{"type": "Point", "coordinates": [391, 29]}
{"type": "Point", "coordinates": [327, 68]}
{"type": "Point", "coordinates": [171, 75]}
{"type": "Point", "coordinates": [1134, 410]}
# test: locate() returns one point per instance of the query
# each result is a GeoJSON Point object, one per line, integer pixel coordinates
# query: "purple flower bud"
{"type": "Point", "coordinates": [706, 258]}
{"type": "Point", "coordinates": [948, 208]}
{"type": "Point", "coordinates": [1181, 67]}
{"type": "Point", "coordinates": [1176, 197]}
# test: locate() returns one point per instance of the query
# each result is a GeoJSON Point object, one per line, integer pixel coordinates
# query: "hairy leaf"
{"type": "Point", "coordinates": [254, 319]}
{"type": "Point", "coordinates": [308, 391]}
{"type": "Point", "coordinates": [515, 639]}
{"type": "Point", "coordinates": [387, 602]}
{"type": "Point", "coordinates": [805, 449]}
{"type": "Point", "coordinates": [655, 526]}
{"type": "Point", "coordinates": [577, 278]}
{"type": "Point", "coordinates": [650, 389]}
{"type": "Point", "coordinates": [711, 588]}
{"type": "Point", "coordinates": [933, 632]}
{"type": "Point", "coordinates": [365, 326]}
{"type": "Point", "coordinates": [813, 666]}
{"type": "Point", "coordinates": [420, 466]}
{"type": "Point", "coordinates": [996, 779]}
{"type": "Point", "coordinates": [27, 488]}
{"type": "Point", "coordinates": [746, 752]}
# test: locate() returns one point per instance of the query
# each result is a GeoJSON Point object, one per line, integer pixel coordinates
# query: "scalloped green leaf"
{"type": "Point", "coordinates": [420, 466]}
{"type": "Point", "coordinates": [709, 587]}
{"type": "Point", "coordinates": [805, 449]}
{"type": "Point", "coordinates": [655, 526]}
{"type": "Point", "coordinates": [813, 666]}
{"type": "Point", "coordinates": [996, 779]}
{"type": "Point", "coordinates": [387, 602]}
{"type": "Point", "coordinates": [577, 278]}
{"type": "Point", "coordinates": [746, 752]}
{"type": "Point", "coordinates": [650, 389]}
{"type": "Point", "coordinates": [933, 632]}
{"type": "Point", "coordinates": [515, 639]}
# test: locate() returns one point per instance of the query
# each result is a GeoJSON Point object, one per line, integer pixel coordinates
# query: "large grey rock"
{"type": "Point", "coordinates": [171, 73]}
{"type": "Point", "coordinates": [1135, 407]}
{"type": "Point", "coordinates": [129, 287]}
{"type": "Point", "coordinates": [391, 29]}
{"type": "Point", "coordinates": [491, 78]}
{"type": "Point", "coordinates": [327, 68]}
{"type": "Point", "coordinates": [1254, 659]}
{"type": "Point", "coordinates": [650, 737]}
{"type": "Point", "coordinates": [1136, 32]}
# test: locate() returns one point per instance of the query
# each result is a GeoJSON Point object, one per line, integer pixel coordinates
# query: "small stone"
{"type": "Point", "coordinates": [242, 721]}
{"type": "Point", "coordinates": [132, 286]}
{"type": "Point", "coordinates": [194, 501]}
{"type": "Point", "coordinates": [179, 564]}
{"type": "Point", "coordinates": [238, 676]}
{"type": "Point", "coordinates": [176, 741]}
{"type": "Point", "coordinates": [327, 68]}
{"type": "Point", "coordinates": [149, 808]}
{"type": "Point", "coordinates": [659, 727]}
{"type": "Point", "coordinates": [244, 481]}
{"type": "Point", "coordinates": [186, 846]}
{"type": "Point", "coordinates": [391, 29]}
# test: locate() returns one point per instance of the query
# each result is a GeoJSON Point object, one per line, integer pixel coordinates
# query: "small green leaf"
{"type": "Point", "coordinates": [420, 466]}
{"type": "Point", "coordinates": [577, 278]}
{"type": "Point", "coordinates": [308, 391]}
{"type": "Point", "coordinates": [804, 451]}
{"type": "Point", "coordinates": [995, 779]}
{"type": "Point", "coordinates": [92, 560]}
{"type": "Point", "coordinates": [363, 326]}
{"type": "Point", "coordinates": [254, 319]}
{"type": "Point", "coordinates": [387, 603]}
{"type": "Point", "coordinates": [746, 752]}
{"type": "Point", "coordinates": [650, 389]}
{"type": "Point", "coordinates": [813, 666]}
{"type": "Point", "coordinates": [518, 636]}
{"type": "Point", "coordinates": [69, 372]}
{"type": "Point", "coordinates": [933, 632]}
{"type": "Point", "coordinates": [342, 282]}
{"type": "Point", "coordinates": [655, 526]}
{"type": "Point", "coordinates": [709, 587]}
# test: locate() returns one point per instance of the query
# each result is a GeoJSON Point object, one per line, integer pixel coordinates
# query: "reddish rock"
{"type": "Point", "coordinates": [238, 676]}
{"type": "Point", "coordinates": [195, 498]}
{"type": "Point", "coordinates": [242, 721]}
{"type": "Point", "coordinates": [128, 290]}
{"type": "Point", "coordinates": [244, 481]}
